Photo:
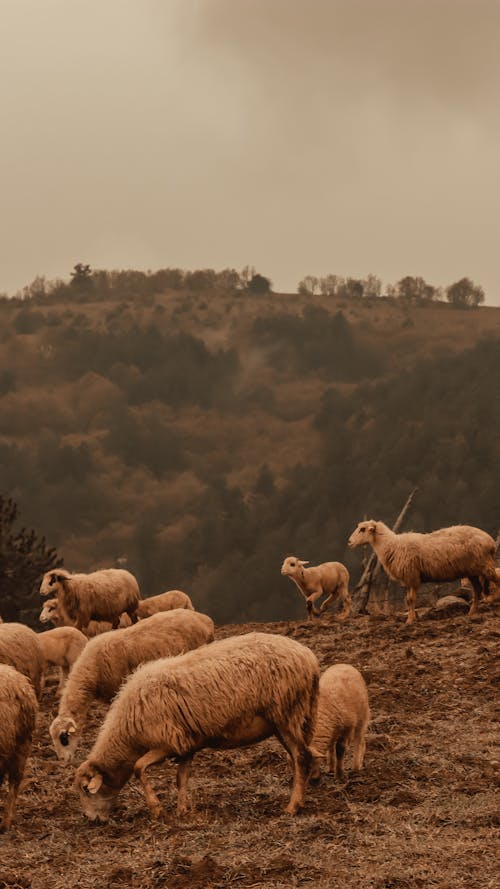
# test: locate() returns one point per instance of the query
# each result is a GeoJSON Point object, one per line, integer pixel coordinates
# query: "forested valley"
{"type": "Point", "coordinates": [198, 434]}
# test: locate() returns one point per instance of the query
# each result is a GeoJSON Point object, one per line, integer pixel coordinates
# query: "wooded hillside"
{"type": "Point", "coordinates": [199, 435]}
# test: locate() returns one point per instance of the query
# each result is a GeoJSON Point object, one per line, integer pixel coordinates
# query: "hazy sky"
{"type": "Point", "coordinates": [299, 136]}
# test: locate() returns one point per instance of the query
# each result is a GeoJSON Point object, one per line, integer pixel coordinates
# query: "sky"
{"type": "Point", "coordinates": [298, 136]}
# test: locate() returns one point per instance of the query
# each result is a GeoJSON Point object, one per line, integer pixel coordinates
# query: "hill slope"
{"type": "Point", "coordinates": [422, 813]}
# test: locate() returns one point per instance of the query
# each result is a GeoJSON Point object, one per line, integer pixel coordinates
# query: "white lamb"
{"type": "Point", "coordinates": [107, 659]}
{"type": "Point", "coordinates": [439, 557]}
{"type": "Point", "coordinates": [343, 716]}
{"type": "Point", "coordinates": [229, 694]}
{"type": "Point", "coordinates": [51, 613]}
{"type": "Point", "coordinates": [18, 710]}
{"type": "Point", "coordinates": [61, 647]}
{"type": "Point", "coordinates": [330, 579]}
{"type": "Point", "coordinates": [101, 595]}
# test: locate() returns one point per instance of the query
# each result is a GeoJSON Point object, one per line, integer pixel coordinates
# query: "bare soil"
{"type": "Point", "coordinates": [423, 813]}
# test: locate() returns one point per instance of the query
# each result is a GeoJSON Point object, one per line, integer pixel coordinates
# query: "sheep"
{"type": "Point", "coordinates": [101, 595]}
{"type": "Point", "coordinates": [51, 612]}
{"type": "Point", "coordinates": [163, 602]}
{"type": "Point", "coordinates": [18, 709]}
{"type": "Point", "coordinates": [61, 647]}
{"type": "Point", "coordinates": [343, 716]}
{"type": "Point", "coordinates": [20, 648]}
{"type": "Point", "coordinates": [232, 693]}
{"type": "Point", "coordinates": [107, 659]}
{"type": "Point", "coordinates": [445, 555]}
{"type": "Point", "coordinates": [329, 578]}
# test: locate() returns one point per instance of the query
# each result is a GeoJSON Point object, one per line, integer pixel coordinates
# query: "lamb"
{"type": "Point", "coordinates": [101, 595]}
{"type": "Point", "coordinates": [343, 716]}
{"type": "Point", "coordinates": [52, 613]}
{"type": "Point", "coordinates": [108, 659]}
{"type": "Point", "coordinates": [20, 648]}
{"type": "Point", "coordinates": [438, 557]}
{"type": "Point", "coordinates": [232, 693]}
{"type": "Point", "coordinates": [18, 708]}
{"type": "Point", "coordinates": [329, 578]}
{"type": "Point", "coordinates": [61, 647]}
{"type": "Point", "coordinates": [163, 602]}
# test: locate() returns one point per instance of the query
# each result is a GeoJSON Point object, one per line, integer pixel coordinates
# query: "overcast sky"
{"type": "Point", "coordinates": [299, 136]}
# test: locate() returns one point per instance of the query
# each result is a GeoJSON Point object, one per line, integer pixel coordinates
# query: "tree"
{"type": "Point", "coordinates": [81, 276]}
{"type": "Point", "coordinates": [308, 286]}
{"type": "Point", "coordinates": [24, 557]}
{"type": "Point", "coordinates": [259, 284]}
{"type": "Point", "coordinates": [465, 293]}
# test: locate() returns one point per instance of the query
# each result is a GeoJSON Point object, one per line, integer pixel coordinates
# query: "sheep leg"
{"type": "Point", "coordinates": [149, 758]}
{"type": "Point", "coordinates": [331, 758]}
{"type": "Point", "coordinates": [15, 773]}
{"type": "Point", "coordinates": [182, 778]}
{"type": "Point", "coordinates": [477, 589]}
{"type": "Point", "coordinates": [346, 604]}
{"type": "Point", "coordinates": [358, 749]}
{"type": "Point", "coordinates": [311, 607]}
{"type": "Point", "coordinates": [340, 753]}
{"type": "Point", "coordinates": [301, 763]}
{"type": "Point", "coordinates": [411, 598]}
{"type": "Point", "coordinates": [325, 604]}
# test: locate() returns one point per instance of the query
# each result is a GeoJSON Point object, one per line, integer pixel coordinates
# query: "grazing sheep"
{"type": "Point", "coordinates": [51, 612]}
{"type": "Point", "coordinates": [229, 694]}
{"type": "Point", "coordinates": [20, 648]}
{"type": "Point", "coordinates": [329, 578]}
{"type": "Point", "coordinates": [343, 716]}
{"type": "Point", "coordinates": [18, 709]}
{"type": "Point", "coordinates": [61, 647]}
{"type": "Point", "coordinates": [438, 557]}
{"type": "Point", "coordinates": [108, 659]}
{"type": "Point", "coordinates": [164, 602]}
{"type": "Point", "coordinates": [101, 595]}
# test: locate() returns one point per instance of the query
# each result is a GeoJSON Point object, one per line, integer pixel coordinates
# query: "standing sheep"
{"type": "Point", "coordinates": [61, 647]}
{"type": "Point", "coordinates": [441, 556]}
{"type": "Point", "coordinates": [163, 602]}
{"type": "Point", "coordinates": [101, 595]}
{"type": "Point", "coordinates": [18, 709]}
{"type": "Point", "coordinates": [20, 648]}
{"type": "Point", "coordinates": [343, 716]}
{"type": "Point", "coordinates": [108, 659]}
{"type": "Point", "coordinates": [52, 613]}
{"type": "Point", "coordinates": [229, 694]}
{"type": "Point", "coordinates": [329, 578]}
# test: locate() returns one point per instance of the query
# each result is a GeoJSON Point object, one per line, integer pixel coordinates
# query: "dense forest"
{"type": "Point", "coordinates": [198, 427]}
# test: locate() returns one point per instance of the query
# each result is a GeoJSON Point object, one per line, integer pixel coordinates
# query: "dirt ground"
{"type": "Point", "coordinates": [423, 813]}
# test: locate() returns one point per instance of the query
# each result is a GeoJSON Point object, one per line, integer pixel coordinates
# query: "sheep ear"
{"type": "Point", "coordinates": [372, 526]}
{"type": "Point", "coordinates": [303, 563]}
{"type": "Point", "coordinates": [71, 729]}
{"type": "Point", "coordinates": [94, 784]}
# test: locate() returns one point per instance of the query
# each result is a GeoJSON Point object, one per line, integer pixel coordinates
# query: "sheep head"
{"type": "Point", "coordinates": [96, 795]}
{"type": "Point", "coordinates": [292, 565]}
{"type": "Point", "coordinates": [65, 736]}
{"type": "Point", "coordinates": [364, 533]}
{"type": "Point", "coordinates": [49, 611]}
{"type": "Point", "coordinates": [52, 581]}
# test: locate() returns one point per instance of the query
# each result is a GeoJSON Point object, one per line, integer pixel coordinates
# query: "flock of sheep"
{"type": "Point", "coordinates": [173, 690]}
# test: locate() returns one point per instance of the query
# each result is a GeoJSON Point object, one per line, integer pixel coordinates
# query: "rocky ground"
{"type": "Point", "coordinates": [423, 813]}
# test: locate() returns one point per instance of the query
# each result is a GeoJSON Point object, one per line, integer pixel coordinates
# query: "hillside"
{"type": "Point", "coordinates": [422, 815]}
{"type": "Point", "coordinates": [191, 433]}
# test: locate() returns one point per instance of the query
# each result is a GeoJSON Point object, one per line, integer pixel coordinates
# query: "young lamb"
{"type": "Point", "coordinates": [20, 648]}
{"type": "Point", "coordinates": [438, 557]}
{"type": "Point", "coordinates": [101, 595]}
{"type": "Point", "coordinates": [107, 659]}
{"type": "Point", "coordinates": [329, 578]}
{"type": "Point", "coordinates": [343, 716]}
{"type": "Point", "coordinates": [61, 647]}
{"type": "Point", "coordinates": [52, 613]}
{"type": "Point", "coordinates": [18, 708]}
{"type": "Point", "coordinates": [229, 694]}
{"type": "Point", "coordinates": [163, 602]}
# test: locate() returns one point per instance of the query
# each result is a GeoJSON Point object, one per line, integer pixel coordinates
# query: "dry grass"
{"type": "Point", "coordinates": [422, 815]}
